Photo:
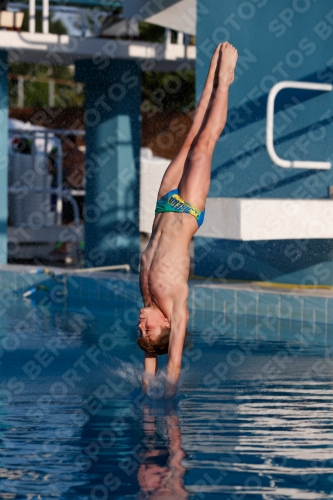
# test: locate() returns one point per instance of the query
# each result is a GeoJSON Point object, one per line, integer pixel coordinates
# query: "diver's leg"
{"type": "Point", "coordinates": [175, 170]}
{"type": "Point", "coordinates": [195, 182]}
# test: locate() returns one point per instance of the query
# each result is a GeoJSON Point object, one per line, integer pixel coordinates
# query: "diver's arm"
{"type": "Point", "coordinates": [176, 455]}
{"type": "Point", "coordinates": [179, 319]}
{"type": "Point", "coordinates": [149, 370]}
{"type": "Point", "coordinates": [143, 281]}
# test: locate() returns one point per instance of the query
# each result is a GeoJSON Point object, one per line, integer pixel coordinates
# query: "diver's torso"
{"type": "Point", "coordinates": [166, 259]}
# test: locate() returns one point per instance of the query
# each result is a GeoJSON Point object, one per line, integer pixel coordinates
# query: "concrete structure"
{"type": "Point", "coordinates": [284, 41]}
{"type": "Point", "coordinates": [268, 219]}
{"type": "Point", "coordinates": [63, 49]}
{"type": "Point", "coordinates": [292, 244]}
{"type": "Point", "coordinates": [152, 170]}
{"type": "Point", "coordinates": [113, 98]}
{"type": "Point", "coordinates": [257, 239]}
{"type": "Point", "coordinates": [111, 69]}
{"type": "Point", "coordinates": [179, 15]}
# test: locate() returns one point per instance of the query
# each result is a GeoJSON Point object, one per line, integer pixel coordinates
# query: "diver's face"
{"type": "Point", "coordinates": [151, 319]}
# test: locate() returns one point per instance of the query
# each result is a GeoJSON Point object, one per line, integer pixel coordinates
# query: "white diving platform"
{"type": "Point", "coordinates": [241, 219]}
{"type": "Point", "coordinates": [253, 219]}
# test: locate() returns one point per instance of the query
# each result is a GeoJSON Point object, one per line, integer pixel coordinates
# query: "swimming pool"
{"type": "Point", "coordinates": [253, 418]}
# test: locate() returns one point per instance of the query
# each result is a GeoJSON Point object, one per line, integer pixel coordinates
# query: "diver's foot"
{"type": "Point", "coordinates": [228, 62]}
{"type": "Point", "coordinates": [213, 62]}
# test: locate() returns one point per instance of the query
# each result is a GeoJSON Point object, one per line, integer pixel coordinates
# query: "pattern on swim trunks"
{"type": "Point", "coordinates": [181, 205]}
{"type": "Point", "coordinates": [172, 202]}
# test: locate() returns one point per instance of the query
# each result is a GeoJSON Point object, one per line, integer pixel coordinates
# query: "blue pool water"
{"type": "Point", "coordinates": [252, 420]}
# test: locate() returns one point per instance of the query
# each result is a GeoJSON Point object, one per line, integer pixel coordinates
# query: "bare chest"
{"type": "Point", "coordinates": [167, 260]}
{"type": "Point", "coordinates": [168, 272]}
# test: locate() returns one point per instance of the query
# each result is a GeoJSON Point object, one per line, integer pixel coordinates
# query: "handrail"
{"type": "Point", "coordinates": [62, 277]}
{"type": "Point", "coordinates": [320, 165]}
{"type": "Point", "coordinates": [51, 131]}
{"type": "Point", "coordinates": [116, 267]}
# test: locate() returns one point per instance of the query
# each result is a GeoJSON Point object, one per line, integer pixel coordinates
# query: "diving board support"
{"type": "Point", "coordinates": [280, 162]}
{"type": "Point", "coordinates": [45, 16]}
{"type": "Point", "coordinates": [32, 16]}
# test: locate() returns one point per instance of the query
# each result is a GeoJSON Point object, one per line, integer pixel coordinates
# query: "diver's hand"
{"type": "Point", "coordinates": [170, 391]}
{"type": "Point", "coordinates": [145, 384]}
{"type": "Point", "coordinates": [170, 388]}
{"type": "Point", "coordinates": [149, 370]}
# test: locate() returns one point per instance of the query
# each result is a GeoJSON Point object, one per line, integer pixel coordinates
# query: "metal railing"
{"type": "Point", "coordinates": [62, 278]}
{"type": "Point", "coordinates": [81, 10]}
{"type": "Point", "coordinates": [59, 190]}
{"type": "Point", "coordinates": [320, 165]}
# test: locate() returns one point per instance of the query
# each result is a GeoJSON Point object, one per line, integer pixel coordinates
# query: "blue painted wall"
{"type": "Point", "coordinates": [285, 40]}
{"type": "Point", "coordinates": [112, 118]}
{"type": "Point", "coordinates": [3, 155]}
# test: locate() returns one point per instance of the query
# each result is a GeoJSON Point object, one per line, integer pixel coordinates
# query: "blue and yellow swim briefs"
{"type": "Point", "coordinates": [172, 202]}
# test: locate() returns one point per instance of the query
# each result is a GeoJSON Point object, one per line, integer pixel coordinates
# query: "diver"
{"type": "Point", "coordinates": [160, 473]}
{"type": "Point", "coordinates": [180, 211]}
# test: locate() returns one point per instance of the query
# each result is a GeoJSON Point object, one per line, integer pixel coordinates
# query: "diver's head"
{"type": "Point", "coordinates": [154, 331]}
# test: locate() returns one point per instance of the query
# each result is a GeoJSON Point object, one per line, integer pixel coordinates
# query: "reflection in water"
{"type": "Point", "coordinates": [161, 472]}
{"type": "Point", "coordinates": [256, 415]}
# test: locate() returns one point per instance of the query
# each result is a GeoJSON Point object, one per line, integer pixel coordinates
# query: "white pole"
{"type": "Point", "coordinates": [32, 16]}
{"type": "Point", "coordinates": [45, 16]}
{"type": "Point", "coordinates": [180, 38]}
{"type": "Point", "coordinates": [186, 44]}
{"type": "Point", "coordinates": [51, 92]}
{"type": "Point", "coordinates": [20, 92]}
{"type": "Point", "coordinates": [167, 36]}
{"type": "Point", "coordinates": [59, 204]}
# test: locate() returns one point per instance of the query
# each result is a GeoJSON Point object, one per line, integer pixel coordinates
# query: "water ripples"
{"type": "Point", "coordinates": [251, 427]}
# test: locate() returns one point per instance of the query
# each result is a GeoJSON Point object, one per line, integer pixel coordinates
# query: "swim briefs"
{"type": "Point", "coordinates": [172, 202]}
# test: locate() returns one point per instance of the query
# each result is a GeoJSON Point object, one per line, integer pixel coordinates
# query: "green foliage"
{"type": "Point", "coordinates": [160, 91]}
{"type": "Point", "coordinates": [54, 26]}
{"type": "Point", "coordinates": [12, 93]}
{"type": "Point", "coordinates": [165, 91]}
{"type": "Point", "coordinates": [41, 70]}
{"type": "Point", "coordinates": [36, 93]}
{"type": "Point", "coordinates": [168, 91]}
{"type": "Point", "coordinates": [66, 96]}
{"type": "Point", "coordinates": [151, 32]}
